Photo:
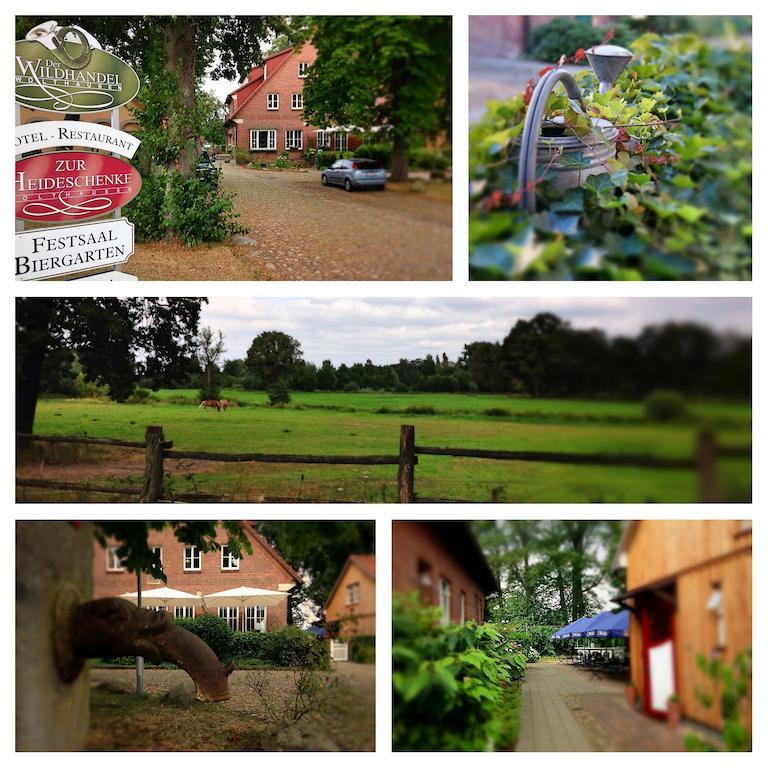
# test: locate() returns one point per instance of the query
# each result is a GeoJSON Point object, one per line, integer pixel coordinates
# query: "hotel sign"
{"type": "Point", "coordinates": [71, 186]}
{"type": "Point", "coordinates": [50, 134]}
{"type": "Point", "coordinates": [59, 71]}
{"type": "Point", "coordinates": [43, 253]}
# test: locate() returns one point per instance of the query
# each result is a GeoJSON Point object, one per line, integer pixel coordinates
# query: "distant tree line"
{"type": "Point", "coordinates": [541, 357]}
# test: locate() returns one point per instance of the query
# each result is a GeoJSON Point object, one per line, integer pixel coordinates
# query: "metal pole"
{"type": "Point", "coordinates": [115, 122]}
{"type": "Point", "coordinates": [139, 659]}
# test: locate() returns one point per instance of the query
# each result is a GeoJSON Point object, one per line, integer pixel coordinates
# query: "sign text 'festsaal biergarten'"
{"type": "Point", "coordinates": [63, 70]}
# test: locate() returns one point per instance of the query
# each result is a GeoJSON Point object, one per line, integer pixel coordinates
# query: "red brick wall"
{"type": "Point", "coordinates": [256, 570]}
{"type": "Point", "coordinates": [414, 541]}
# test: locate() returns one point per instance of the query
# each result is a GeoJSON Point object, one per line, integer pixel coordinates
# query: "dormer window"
{"type": "Point", "coordinates": [273, 101]}
{"type": "Point", "coordinates": [303, 67]}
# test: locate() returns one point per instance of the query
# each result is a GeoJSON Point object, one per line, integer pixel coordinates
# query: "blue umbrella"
{"type": "Point", "coordinates": [572, 630]}
{"type": "Point", "coordinates": [608, 624]}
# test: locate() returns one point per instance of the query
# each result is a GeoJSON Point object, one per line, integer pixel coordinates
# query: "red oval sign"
{"type": "Point", "coordinates": [72, 186]}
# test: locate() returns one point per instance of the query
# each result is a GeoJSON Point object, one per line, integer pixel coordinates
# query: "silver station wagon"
{"type": "Point", "coordinates": [355, 173]}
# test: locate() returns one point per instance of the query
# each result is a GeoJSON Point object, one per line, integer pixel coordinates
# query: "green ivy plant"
{"type": "Point", "coordinates": [675, 202]}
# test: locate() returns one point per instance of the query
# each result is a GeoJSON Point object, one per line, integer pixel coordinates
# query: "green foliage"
{"type": "Point", "coordinates": [732, 685]}
{"type": "Point", "coordinates": [141, 396]}
{"type": "Point", "coordinates": [449, 682]}
{"type": "Point", "coordinates": [324, 159]}
{"type": "Point", "coordinates": [565, 35]}
{"type": "Point", "coordinates": [362, 649]}
{"type": "Point", "coordinates": [283, 159]}
{"type": "Point", "coordinates": [278, 394]}
{"type": "Point", "coordinates": [381, 153]}
{"type": "Point", "coordinates": [430, 159]}
{"type": "Point", "coordinates": [665, 405]}
{"type": "Point", "coordinates": [242, 156]}
{"type": "Point", "coordinates": [201, 212]}
{"type": "Point", "coordinates": [146, 209]}
{"type": "Point", "coordinates": [215, 632]}
{"type": "Point", "coordinates": [675, 202]}
{"type": "Point", "coordinates": [289, 647]}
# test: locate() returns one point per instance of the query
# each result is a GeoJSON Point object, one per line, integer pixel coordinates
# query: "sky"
{"type": "Point", "coordinates": [350, 330]}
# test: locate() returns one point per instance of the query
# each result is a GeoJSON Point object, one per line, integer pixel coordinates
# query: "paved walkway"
{"type": "Point", "coordinates": [568, 710]}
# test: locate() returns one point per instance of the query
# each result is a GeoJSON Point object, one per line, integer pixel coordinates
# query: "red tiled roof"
{"type": "Point", "coordinates": [256, 79]}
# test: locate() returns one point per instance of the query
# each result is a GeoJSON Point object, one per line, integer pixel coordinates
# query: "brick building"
{"type": "Point", "coordinates": [264, 113]}
{"type": "Point", "coordinates": [353, 598]}
{"type": "Point", "coordinates": [190, 570]}
{"type": "Point", "coordinates": [444, 563]}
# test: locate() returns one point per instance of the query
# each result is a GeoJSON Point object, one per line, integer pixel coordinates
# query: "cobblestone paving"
{"type": "Point", "coordinates": [299, 230]}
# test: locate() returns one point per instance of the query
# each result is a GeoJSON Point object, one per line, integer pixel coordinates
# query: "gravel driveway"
{"type": "Point", "coordinates": [299, 230]}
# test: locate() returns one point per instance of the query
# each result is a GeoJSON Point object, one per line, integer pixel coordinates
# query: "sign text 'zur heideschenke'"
{"type": "Point", "coordinates": [42, 253]}
{"type": "Point", "coordinates": [71, 186]}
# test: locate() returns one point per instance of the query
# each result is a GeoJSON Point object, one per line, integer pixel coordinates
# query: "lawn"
{"type": "Point", "coordinates": [369, 423]}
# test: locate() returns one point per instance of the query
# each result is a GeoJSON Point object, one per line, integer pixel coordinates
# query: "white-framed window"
{"type": "Point", "coordinates": [444, 595]}
{"type": "Point", "coordinates": [462, 607]}
{"type": "Point", "coordinates": [353, 593]}
{"type": "Point", "coordinates": [297, 101]}
{"type": "Point", "coordinates": [154, 608]}
{"type": "Point", "coordinates": [263, 139]}
{"type": "Point", "coordinates": [114, 563]}
{"type": "Point", "coordinates": [228, 562]}
{"type": "Point", "coordinates": [323, 139]}
{"type": "Point", "coordinates": [158, 552]}
{"type": "Point", "coordinates": [184, 612]}
{"type": "Point", "coordinates": [192, 560]}
{"type": "Point", "coordinates": [341, 142]}
{"type": "Point", "coordinates": [273, 101]}
{"type": "Point", "coordinates": [303, 67]}
{"type": "Point", "coordinates": [229, 614]}
{"type": "Point", "coordinates": [256, 618]}
{"type": "Point", "coordinates": [294, 139]}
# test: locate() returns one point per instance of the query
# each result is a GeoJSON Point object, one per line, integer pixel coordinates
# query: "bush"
{"type": "Point", "coordinates": [451, 684]}
{"type": "Point", "coordinates": [351, 386]}
{"type": "Point", "coordinates": [429, 159]}
{"type": "Point", "coordinates": [83, 387]}
{"type": "Point", "coordinates": [242, 157]}
{"type": "Point", "coordinates": [362, 649]}
{"type": "Point", "coordinates": [381, 153]}
{"type": "Point", "coordinates": [282, 160]}
{"type": "Point", "coordinates": [145, 211]}
{"type": "Point", "coordinates": [665, 405]}
{"type": "Point", "coordinates": [212, 630]}
{"type": "Point", "coordinates": [141, 396]}
{"type": "Point", "coordinates": [496, 412]}
{"type": "Point", "coordinates": [325, 159]}
{"type": "Point", "coordinates": [566, 35]}
{"type": "Point", "coordinates": [290, 647]}
{"type": "Point", "coordinates": [532, 655]}
{"type": "Point", "coordinates": [278, 394]}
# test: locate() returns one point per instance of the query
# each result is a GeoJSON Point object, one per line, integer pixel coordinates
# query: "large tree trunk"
{"type": "Point", "coordinates": [180, 41]}
{"type": "Point", "coordinates": [577, 534]}
{"type": "Point", "coordinates": [32, 339]}
{"type": "Point", "coordinates": [399, 159]}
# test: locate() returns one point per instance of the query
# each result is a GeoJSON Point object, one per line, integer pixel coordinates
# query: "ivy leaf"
{"type": "Point", "coordinates": [573, 202]}
{"type": "Point", "coordinates": [600, 183]}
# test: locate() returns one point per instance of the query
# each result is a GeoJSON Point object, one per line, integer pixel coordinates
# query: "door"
{"type": "Point", "coordinates": [657, 620]}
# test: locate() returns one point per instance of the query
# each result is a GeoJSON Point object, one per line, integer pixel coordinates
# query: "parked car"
{"type": "Point", "coordinates": [355, 173]}
{"type": "Point", "coordinates": [206, 168]}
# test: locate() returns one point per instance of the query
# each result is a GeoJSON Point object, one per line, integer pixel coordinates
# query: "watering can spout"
{"type": "Point", "coordinates": [608, 62]}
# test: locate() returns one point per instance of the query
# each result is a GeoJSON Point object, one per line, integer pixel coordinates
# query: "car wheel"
{"type": "Point", "coordinates": [324, 180]}
{"type": "Point", "coordinates": [348, 185]}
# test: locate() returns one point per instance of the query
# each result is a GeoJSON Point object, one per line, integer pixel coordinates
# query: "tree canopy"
{"type": "Point", "coordinates": [386, 71]}
{"type": "Point", "coordinates": [273, 356]}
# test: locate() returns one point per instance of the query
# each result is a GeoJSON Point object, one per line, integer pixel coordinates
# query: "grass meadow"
{"type": "Point", "coordinates": [369, 423]}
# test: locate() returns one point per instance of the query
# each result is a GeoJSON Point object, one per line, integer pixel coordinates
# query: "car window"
{"type": "Point", "coordinates": [336, 165]}
{"type": "Point", "coordinates": [367, 165]}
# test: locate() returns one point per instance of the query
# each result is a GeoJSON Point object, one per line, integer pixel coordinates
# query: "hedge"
{"type": "Point", "coordinates": [362, 649]}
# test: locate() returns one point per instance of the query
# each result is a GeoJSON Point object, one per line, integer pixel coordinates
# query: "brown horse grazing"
{"type": "Point", "coordinates": [210, 404]}
{"type": "Point", "coordinates": [223, 404]}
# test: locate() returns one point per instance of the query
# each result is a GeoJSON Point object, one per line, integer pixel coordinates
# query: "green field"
{"type": "Point", "coordinates": [369, 423]}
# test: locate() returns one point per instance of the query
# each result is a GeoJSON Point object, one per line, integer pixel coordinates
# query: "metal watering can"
{"type": "Point", "coordinates": [607, 62]}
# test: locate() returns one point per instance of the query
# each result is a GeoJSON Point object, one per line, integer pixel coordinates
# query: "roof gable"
{"type": "Point", "coordinates": [256, 79]}
{"type": "Point", "coordinates": [366, 563]}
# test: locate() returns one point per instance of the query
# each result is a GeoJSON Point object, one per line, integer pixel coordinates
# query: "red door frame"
{"type": "Point", "coordinates": [645, 620]}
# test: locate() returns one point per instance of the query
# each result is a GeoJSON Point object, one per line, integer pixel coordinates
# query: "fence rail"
{"type": "Point", "coordinates": [157, 449]}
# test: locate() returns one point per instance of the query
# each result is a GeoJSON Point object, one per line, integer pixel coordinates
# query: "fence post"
{"type": "Point", "coordinates": [153, 468]}
{"type": "Point", "coordinates": [407, 464]}
{"type": "Point", "coordinates": [706, 464]}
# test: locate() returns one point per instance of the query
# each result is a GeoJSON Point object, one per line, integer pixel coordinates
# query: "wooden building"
{"type": "Point", "coordinates": [352, 601]}
{"type": "Point", "coordinates": [689, 591]}
{"type": "Point", "coordinates": [443, 562]}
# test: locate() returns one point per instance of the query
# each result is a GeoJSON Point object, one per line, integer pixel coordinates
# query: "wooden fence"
{"type": "Point", "coordinates": [156, 449]}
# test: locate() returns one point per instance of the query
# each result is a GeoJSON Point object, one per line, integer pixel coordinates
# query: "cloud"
{"type": "Point", "coordinates": [348, 330]}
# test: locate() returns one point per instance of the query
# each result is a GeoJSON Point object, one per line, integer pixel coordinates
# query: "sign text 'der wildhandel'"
{"type": "Point", "coordinates": [79, 248]}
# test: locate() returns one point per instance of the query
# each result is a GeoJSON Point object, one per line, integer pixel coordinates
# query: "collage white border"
{"type": "Point", "coordinates": [460, 9]}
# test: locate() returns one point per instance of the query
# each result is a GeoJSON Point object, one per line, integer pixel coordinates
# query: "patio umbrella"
{"type": "Point", "coordinates": [573, 629]}
{"type": "Point", "coordinates": [164, 596]}
{"type": "Point", "coordinates": [245, 596]}
{"type": "Point", "coordinates": [608, 624]}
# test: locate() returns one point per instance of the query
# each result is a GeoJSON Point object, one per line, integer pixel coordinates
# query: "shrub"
{"type": "Point", "coordinates": [496, 412]}
{"type": "Point", "coordinates": [278, 394]}
{"type": "Point", "coordinates": [665, 405]}
{"type": "Point", "coordinates": [351, 386]}
{"type": "Point", "coordinates": [141, 396]}
{"type": "Point", "coordinates": [282, 160]}
{"type": "Point", "coordinates": [212, 630]}
{"type": "Point", "coordinates": [450, 684]}
{"type": "Point", "coordinates": [325, 159]}
{"type": "Point", "coordinates": [381, 153]}
{"type": "Point", "coordinates": [566, 35]}
{"type": "Point", "coordinates": [145, 211]}
{"type": "Point", "coordinates": [86, 388]}
{"type": "Point", "coordinates": [242, 157]}
{"type": "Point", "coordinates": [532, 655]}
{"type": "Point", "coordinates": [362, 649]}
{"type": "Point", "coordinates": [429, 159]}
{"type": "Point", "coordinates": [290, 647]}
